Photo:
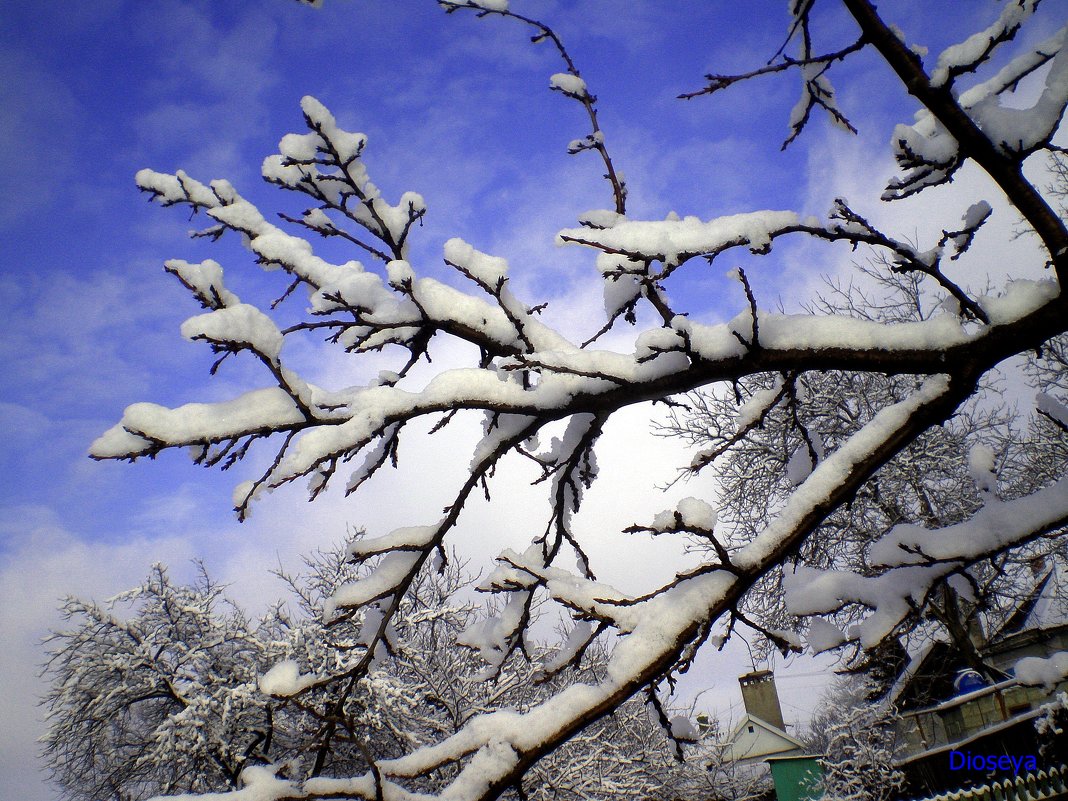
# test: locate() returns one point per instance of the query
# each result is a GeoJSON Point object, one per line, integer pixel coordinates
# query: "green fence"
{"type": "Point", "coordinates": [1041, 786]}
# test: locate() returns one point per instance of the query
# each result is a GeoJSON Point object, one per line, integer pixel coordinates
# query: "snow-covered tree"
{"type": "Point", "coordinates": [340, 703]}
{"type": "Point", "coordinates": [1052, 726]}
{"type": "Point", "coordinates": [161, 700]}
{"type": "Point", "coordinates": [170, 688]}
{"type": "Point", "coordinates": [719, 776]}
{"type": "Point", "coordinates": [337, 704]}
{"type": "Point", "coordinates": [856, 735]}
{"type": "Point", "coordinates": [765, 434]}
{"type": "Point", "coordinates": [528, 380]}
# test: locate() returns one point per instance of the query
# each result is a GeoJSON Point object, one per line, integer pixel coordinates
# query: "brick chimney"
{"type": "Point", "coordinates": [761, 698]}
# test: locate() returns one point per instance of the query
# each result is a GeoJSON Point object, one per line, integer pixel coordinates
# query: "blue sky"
{"type": "Point", "coordinates": [456, 108]}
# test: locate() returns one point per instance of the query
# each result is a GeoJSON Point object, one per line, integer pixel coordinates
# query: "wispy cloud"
{"type": "Point", "coordinates": [230, 68]}
{"type": "Point", "coordinates": [39, 126]}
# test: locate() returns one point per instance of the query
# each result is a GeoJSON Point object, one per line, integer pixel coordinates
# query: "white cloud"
{"type": "Point", "coordinates": [79, 339]}
{"type": "Point", "coordinates": [41, 562]}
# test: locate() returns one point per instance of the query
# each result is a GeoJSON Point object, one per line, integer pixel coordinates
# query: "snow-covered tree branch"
{"type": "Point", "coordinates": [529, 379]}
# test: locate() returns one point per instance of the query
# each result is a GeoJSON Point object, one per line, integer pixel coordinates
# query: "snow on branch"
{"type": "Point", "coordinates": [918, 559]}
{"type": "Point", "coordinates": [343, 187]}
{"type": "Point", "coordinates": [674, 242]}
{"type": "Point", "coordinates": [570, 84]}
{"type": "Point", "coordinates": [816, 88]}
{"type": "Point", "coordinates": [549, 401]}
{"type": "Point", "coordinates": [931, 153]}
{"type": "Point", "coordinates": [968, 55]}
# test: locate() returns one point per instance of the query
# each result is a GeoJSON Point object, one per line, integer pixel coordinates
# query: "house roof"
{"type": "Point", "coordinates": [916, 659]}
{"type": "Point", "coordinates": [789, 757]}
{"type": "Point", "coordinates": [776, 741]}
{"type": "Point", "coordinates": [928, 676]}
{"type": "Point", "coordinates": [1043, 607]}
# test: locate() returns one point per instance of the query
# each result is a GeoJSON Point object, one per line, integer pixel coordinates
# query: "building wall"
{"type": "Point", "coordinates": [797, 779]}
{"type": "Point", "coordinates": [761, 698]}
{"type": "Point", "coordinates": [758, 743]}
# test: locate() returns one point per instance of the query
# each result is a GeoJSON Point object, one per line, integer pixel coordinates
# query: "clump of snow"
{"type": "Point", "coordinates": [145, 425]}
{"type": "Point", "coordinates": [600, 218]}
{"type": "Point", "coordinates": [317, 219]}
{"type": "Point", "coordinates": [919, 559]}
{"type": "Point", "coordinates": [177, 188]}
{"type": "Point", "coordinates": [483, 268]}
{"type": "Point", "coordinates": [683, 730]}
{"type": "Point", "coordinates": [577, 638]}
{"type": "Point", "coordinates": [258, 783]}
{"type": "Point", "coordinates": [668, 240]}
{"type": "Point", "coordinates": [400, 273]}
{"type": "Point", "coordinates": [491, 635]}
{"type": "Point", "coordinates": [801, 463]}
{"type": "Point", "coordinates": [791, 638]}
{"type": "Point", "coordinates": [981, 469]}
{"type": "Point", "coordinates": [380, 582]}
{"type": "Point", "coordinates": [823, 635]}
{"type": "Point", "coordinates": [995, 526]}
{"type": "Point", "coordinates": [927, 150]}
{"type": "Point", "coordinates": [755, 407]}
{"type": "Point", "coordinates": [963, 587]}
{"type": "Point", "coordinates": [243, 495]}
{"type": "Point", "coordinates": [817, 88]}
{"type": "Point", "coordinates": [696, 513]}
{"type": "Point", "coordinates": [1049, 671]}
{"type": "Point", "coordinates": [204, 280]}
{"type": "Point", "coordinates": [1052, 713]}
{"type": "Point", "coordinates": [300, 164]}
{"type": "Point", "coordinates": [690, 514]}
{"type": "Point", "coordinates": [347, 145]}
{"type": "Point", "coordinates": [411, 538]}
{"type": "Point", "coordinates": [240, 325]}
{"type": "Point", "coordinates": [976, 213]}
{"type": "Point", "coordinates": [284, 680]}
{"type": "Point", "coordinates": [1020, 298]}
{"type": "Point", "coordinates": [570, 85]}
{"type": "Point", "coordinates": [588, 142]}
{"type": "Point", "coordinates": [978, 46]}
{"type": "Point", "coordinates": [1052, 407]}
{"type": "Point", "coordinates": [931, 155]}
{"type": "Point", "coordinates": [619, 291]}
